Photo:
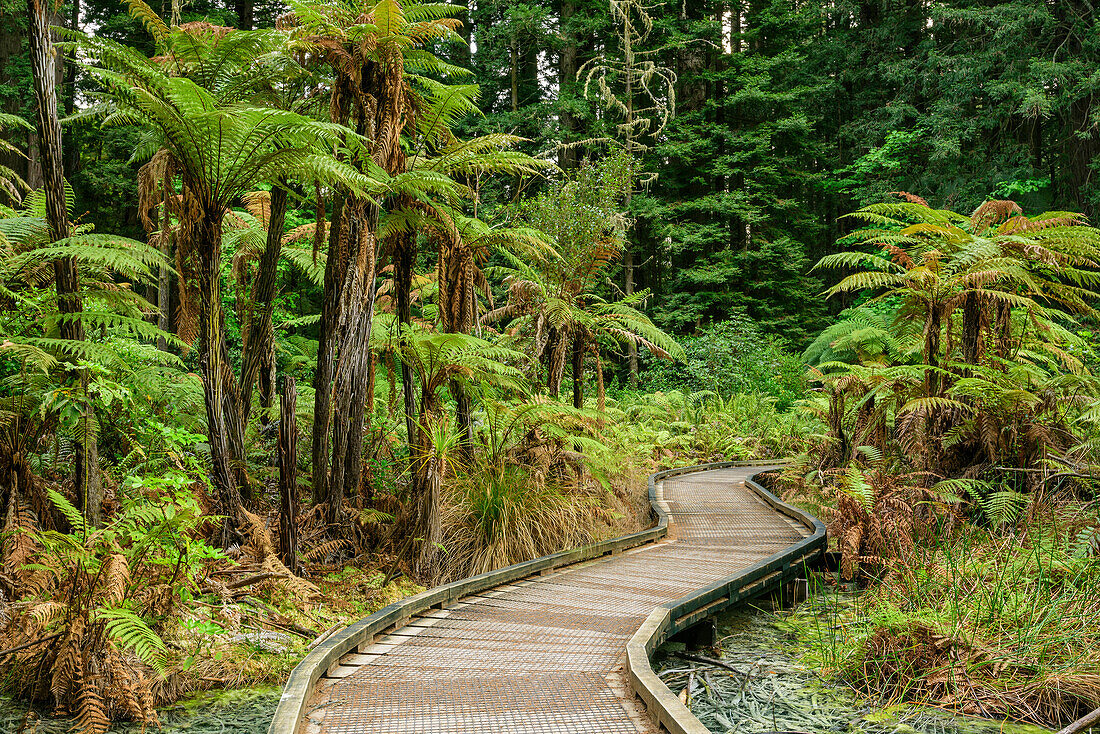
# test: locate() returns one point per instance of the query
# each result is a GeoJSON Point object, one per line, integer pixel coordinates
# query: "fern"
{"type": "Point", "coordinates": [131, 632]}
{"type": "Point", "coordinates": [855, 484]}
{"type": "Point", "coordinates": [1003, 507]}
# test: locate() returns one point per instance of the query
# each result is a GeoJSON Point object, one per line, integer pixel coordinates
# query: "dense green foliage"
{"type": "Point", "coordinates": [729, 358]}
{"type": "Point", "coordinates": [445, 237]}
{"type": "Point", "coordinates": [787, 116]}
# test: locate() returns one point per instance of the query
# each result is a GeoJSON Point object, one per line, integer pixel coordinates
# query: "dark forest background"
{"type": "Point", "coordinates": [787, 115]}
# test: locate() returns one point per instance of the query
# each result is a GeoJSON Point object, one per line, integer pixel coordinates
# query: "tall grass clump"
{"type": "Point", "coordinates": [504, 516]}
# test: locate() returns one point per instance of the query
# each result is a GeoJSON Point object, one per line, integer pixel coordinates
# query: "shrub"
{"type": "Point", "coordinates": [727, 358]}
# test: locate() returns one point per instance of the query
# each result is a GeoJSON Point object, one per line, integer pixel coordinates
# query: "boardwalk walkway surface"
{"type": "Point", "coordinates": [546, 654]}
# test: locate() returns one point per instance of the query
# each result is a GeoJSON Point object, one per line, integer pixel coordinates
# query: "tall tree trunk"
{"type": "Point", "coordinates": [12, 49]}
{"type": "Point", "coordinates": [514, 73]}
{"type": "Point", "coordinates": [404, 256]}
{"type": "Point", "coordinates": [217, 389]}
{"type": "Point", "coordinates": [578, 371]}
{"type": "Point", "coordinates": [568, 66]}
{"type": "Point", "coordinates": [353, 367]}
{"type": "Point", "coordinates": [326, 348]}
{"type": "Point", "coordinates": [86, 475]}
{"type": "Point", "coordinates": [288, 474]}
{"type": "Point", "coordinates": [245, 14]}
{"type": "Point", "coordinates": [632, 347]}
{"type": "Point", "coordinates": [258, 341]}
{"type": "Point", "coordinates": [628, 255]}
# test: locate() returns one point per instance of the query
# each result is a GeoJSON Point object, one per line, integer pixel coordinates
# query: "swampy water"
{"type": "Point", "coordinates": [769, 691]}
{"type": "Point", "coordinates": [246, 711]}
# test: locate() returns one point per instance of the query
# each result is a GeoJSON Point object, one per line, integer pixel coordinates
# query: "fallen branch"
{"type": "Point", "coordinates": [304, 633]}
{"type": "Point", "coordinates": [1083, 723]}
{"type": "Point", "coordinates": [324, 636]}
{"type": "Point", "coordinates": [709, 661]}
{"type": "Point", "coordinates": [254, 579]}
{"type": "Point", "coordinates": [17, 648]}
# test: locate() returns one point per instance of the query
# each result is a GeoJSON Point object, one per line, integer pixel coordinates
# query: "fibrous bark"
{"type": "Point", "coordinates": [44, 71]}
{"type": "Point", "coordinates": [288, 475]}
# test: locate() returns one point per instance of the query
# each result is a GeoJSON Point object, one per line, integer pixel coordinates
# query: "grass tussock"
{"type": "Point", "coordinates": [505, 516]}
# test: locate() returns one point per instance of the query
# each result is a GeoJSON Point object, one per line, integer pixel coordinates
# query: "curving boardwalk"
{"type": "Point", "coordinates": [547, 653]}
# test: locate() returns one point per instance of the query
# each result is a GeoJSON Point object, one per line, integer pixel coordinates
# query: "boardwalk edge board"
{"type": "Point", "coordinates": [770, 573]}
{"type": "Point", "coordinates": [665, 620]}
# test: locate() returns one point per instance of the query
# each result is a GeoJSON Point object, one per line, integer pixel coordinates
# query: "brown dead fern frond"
{"type": "Point", "coordinates": [993, 213]}
{"type": "Point", "coordinates": [911, 198]}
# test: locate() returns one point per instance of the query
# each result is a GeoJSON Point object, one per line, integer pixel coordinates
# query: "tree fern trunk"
{"type": "Point", "coordinates": [213, 358]}
{"type": "Point", "coordinates": [463, 420]}
{"type": "Point", "coordinates": [265, 382]}
{"type": "Point", "coordinates": [353, 368]}
{"type": "Point", "coordinates": [322, 378]}
{"type": "Point", "coordinates": [430, 529]}
{"type": "Point", "coordinates": [972, 328]}
{"type": "Point", "coordinates": [42, 53]}
{"type": "Point", "coordinates": [403, 259]}
{"type": "Point", "coordinates": [258, 342]}
{"type": "Point", "coordinates": [164, 275]}
{"type": "Point", "coordinates": [578, 371]}
{"type": "Point", "coordinates": [288, 475]}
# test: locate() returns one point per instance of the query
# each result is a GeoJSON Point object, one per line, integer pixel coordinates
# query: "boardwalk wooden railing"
{"type": "Point", "coordinates": [666, 620]}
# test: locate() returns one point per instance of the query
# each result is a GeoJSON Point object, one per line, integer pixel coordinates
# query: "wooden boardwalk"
{"type": "Point", "coordinates": [545, 655]}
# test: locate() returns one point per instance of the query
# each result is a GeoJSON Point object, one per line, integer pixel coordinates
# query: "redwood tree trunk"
{"type": "Point", "coordinates": [44, 72]}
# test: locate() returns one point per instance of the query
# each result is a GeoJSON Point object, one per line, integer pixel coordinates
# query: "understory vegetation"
{"type": "Point", "coordinates": [957, 469]}
{"type": "Point", "coordinates": [308, 306]}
